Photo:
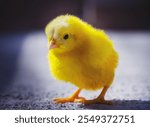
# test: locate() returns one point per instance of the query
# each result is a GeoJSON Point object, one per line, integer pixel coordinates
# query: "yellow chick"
{"type": "Point", "coordinates": [82, 55]}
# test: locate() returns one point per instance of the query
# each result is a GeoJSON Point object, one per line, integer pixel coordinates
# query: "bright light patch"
{"type": "Point", "coordinates": [63, 23]}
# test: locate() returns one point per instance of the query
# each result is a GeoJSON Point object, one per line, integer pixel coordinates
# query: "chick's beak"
{"type": "Point", "coordinates": [53, 44]}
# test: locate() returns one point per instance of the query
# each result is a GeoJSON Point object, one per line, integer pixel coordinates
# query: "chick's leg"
{"type": "Point", "coordinates": [100, 99]}
{"type": "Point", "coordinates": [72, 98]}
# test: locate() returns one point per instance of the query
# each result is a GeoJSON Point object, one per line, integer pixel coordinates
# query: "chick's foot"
{"type": "Point", "coordinates": [69, 99]}
{"type": "Point", "coordinates": [72, 98]}
{"type": "Point", "coordinates": [63, 100]}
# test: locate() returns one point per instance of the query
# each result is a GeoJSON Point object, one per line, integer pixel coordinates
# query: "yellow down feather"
{"type": "Point", "coordinates": [87, 57]}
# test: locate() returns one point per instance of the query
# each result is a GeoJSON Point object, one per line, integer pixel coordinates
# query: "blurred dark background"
{"type": "Point", "coordinates": [105, 14]}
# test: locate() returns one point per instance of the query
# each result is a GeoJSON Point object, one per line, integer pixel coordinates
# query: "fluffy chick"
{"type": "Point", "coordinates": [82, 55]}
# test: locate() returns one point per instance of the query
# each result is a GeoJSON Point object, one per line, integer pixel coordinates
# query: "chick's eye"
{"type": "Point", "coordinates": [66, 36]}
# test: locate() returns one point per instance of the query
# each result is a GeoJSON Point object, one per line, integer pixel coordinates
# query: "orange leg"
{"type": "Point", "coordinates": [100, 99]}
{"type": "Point", "coordinates": [72, 98]}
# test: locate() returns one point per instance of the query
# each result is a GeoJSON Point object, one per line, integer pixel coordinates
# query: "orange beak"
{"type": "Point", "coordinates": [53, 44]}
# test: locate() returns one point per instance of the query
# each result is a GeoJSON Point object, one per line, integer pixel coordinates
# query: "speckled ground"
{"type": "Point", "coordinates": [25, 81]}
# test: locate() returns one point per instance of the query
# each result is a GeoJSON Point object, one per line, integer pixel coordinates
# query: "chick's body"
{"type": "Point", "coordinates": [84, 56]}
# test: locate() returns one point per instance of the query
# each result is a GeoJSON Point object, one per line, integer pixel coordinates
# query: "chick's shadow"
{"type": "Point", "coordinates": [120, 105]}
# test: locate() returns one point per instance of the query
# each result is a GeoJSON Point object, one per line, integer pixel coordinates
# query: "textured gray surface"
{"type": "Point", "coordinates": [26, 83]}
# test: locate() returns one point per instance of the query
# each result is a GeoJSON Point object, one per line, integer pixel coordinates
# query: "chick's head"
{"type": "Point", "coordinates": [63, 34]}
